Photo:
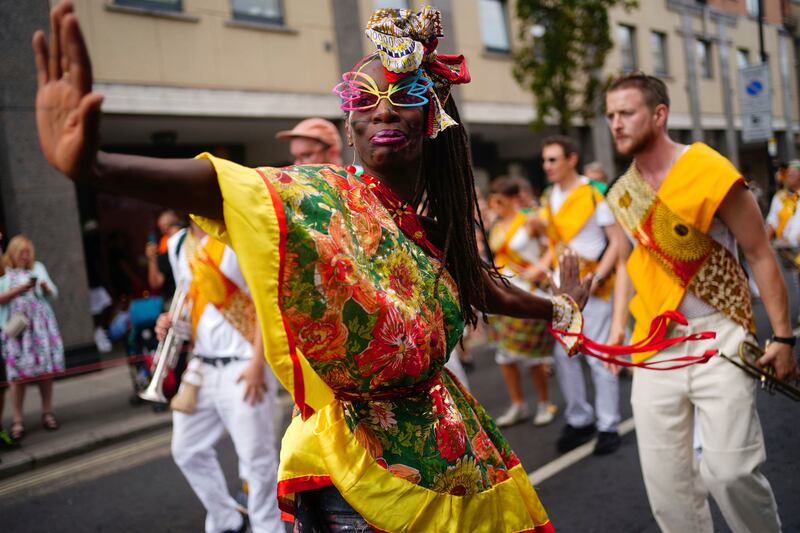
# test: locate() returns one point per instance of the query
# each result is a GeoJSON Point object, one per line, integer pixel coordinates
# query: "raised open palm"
{"type": "Point", "coordinates": [67, 111]}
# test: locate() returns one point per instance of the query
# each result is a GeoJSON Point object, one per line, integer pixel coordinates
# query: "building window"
{"type": "Point", "coordinates": [494, 25]}
{"type": "Point", "coordinates": [394, 4]}
{"type": "Point", "coordinates": [704, 59]}
{"type": "Point", "coordinates": [658, 43]}
{"type": "Point", "coordinates": [626, 35]}
{"type": "Point", "coordinates": [752, 7]}
{"type": "Point", "coordinates": [159, 5]}
{"type": "Point", "coordinates": [742, 58]}
{"type": "Point", "coordinates": [264, 11]}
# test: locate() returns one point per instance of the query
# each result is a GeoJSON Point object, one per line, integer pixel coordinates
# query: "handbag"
{"type": "Point", "coordinates": [16, 324]}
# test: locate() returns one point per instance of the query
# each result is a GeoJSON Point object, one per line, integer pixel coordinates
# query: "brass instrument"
{"type": "Point", "coordinates": [749, 353]}
{"type": "Point", "coordinates": [789, 256]}
{"type": "Point", "coordinates": [168, 350]}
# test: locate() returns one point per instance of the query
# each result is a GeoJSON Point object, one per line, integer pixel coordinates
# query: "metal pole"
{"type": "Point", "coordinates": [786, 93]}
{"type": "Point", "coordinates": [731, 140]}
{"type": "Point", "coordinates": [771, 185]}
{"type": "Point", "coordinates": [761, 51]}
{"type": "Point", "coordinates": [689, 43]}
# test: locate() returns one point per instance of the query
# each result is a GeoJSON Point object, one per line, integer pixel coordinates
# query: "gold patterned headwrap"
{"type": "Point", "coordinates": [407, 41]}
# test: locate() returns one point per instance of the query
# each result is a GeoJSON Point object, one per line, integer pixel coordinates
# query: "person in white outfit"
{"type": "Point", "coordinates": [578, 219]}
{"type": "Point", "coordinates": [237, 391]}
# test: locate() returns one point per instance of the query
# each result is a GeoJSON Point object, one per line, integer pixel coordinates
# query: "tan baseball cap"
{"type": "Point", "coordinates": [318, 129]}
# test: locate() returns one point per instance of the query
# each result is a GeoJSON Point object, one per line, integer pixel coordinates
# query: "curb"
{"type": "Point", "coordinates": [24, 460]}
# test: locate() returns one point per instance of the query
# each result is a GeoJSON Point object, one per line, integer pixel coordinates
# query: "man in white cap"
{"type": "Point", "coordinates": [314, 141]}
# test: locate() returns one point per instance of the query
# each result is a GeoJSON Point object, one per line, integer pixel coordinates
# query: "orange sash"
{"type": "Point", "coordinates": [674, 252]}
{"type": "Point", "coordinates": [211, 285]}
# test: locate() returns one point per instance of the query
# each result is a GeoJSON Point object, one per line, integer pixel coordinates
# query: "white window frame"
{"type": "Point", "coordinates": [663, 55]}
{"type": "Point", "coordinates": [628, 52]}
{"type": "Point", "coordinates": [501, 48]}
{"type": "Point", "coordinates": [259, 19]}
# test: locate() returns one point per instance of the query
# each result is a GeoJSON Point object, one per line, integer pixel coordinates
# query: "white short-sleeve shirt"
{"type": "Point", "coordinates": [774, 208]}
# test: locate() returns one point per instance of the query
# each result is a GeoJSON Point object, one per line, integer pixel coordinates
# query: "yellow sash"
{"type": "Point", "coordinates": [504, 255]}
{"type": "Point", "coordinates": [210, 285]}
{"type": "Point", "coordinates": [564, 225]}
{"type": "Point", "coordinates": [675, 254]}
{"type": "Point", "coordinates": [573, 214]}
{"type": "Point", "coordinates": [788, 207]}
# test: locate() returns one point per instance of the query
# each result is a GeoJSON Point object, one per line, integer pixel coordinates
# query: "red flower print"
{"type": "Point", "coordinates": [450, 438]}
{"type": "Point", "coordinates": [319, 339]}
{"type": "Point", "coordinates": [394, 350]}
{"type": "Point", "coordinates": [339, 276]}
{"type": "Point", "coordinates": [481, 445]}
{"type": "Point", "coordinates": [496, 475]}
{"type": "Point", "coordinates": [361, 200]}
{"type": "Point", "coordinates": [336, 180]}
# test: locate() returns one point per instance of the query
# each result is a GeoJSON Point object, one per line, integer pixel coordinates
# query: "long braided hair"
{"type": "Point", "coordinates": [446, 192]}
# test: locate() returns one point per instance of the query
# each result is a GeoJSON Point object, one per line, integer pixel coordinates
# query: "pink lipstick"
{"type": "Point", "coordinates": [388, 137]}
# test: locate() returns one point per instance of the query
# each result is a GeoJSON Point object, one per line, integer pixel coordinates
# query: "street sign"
{"type": "Point", "coordinates": [755, 102]}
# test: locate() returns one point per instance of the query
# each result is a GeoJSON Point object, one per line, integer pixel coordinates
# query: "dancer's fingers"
{"type": "Point", "coordinates": [54, 58]}
{"type": "Point", "coordinates": [40, 55]}
{"type": "Point", "coordinates": [77, 57]}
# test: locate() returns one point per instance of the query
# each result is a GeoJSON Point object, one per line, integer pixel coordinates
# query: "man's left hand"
{"type": "Point", "coordinates": [255, 384]}
{"type": "Point", "coordinates": [781, 357]}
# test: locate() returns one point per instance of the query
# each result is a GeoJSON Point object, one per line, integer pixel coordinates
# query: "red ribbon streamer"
{"type": "Point", "coordinates": [654, 341]}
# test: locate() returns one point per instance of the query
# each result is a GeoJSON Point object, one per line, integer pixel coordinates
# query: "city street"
{"type": "Point", "coordinates": [135, 486]}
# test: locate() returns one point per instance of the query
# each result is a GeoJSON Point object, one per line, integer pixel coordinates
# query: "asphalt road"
{"type": "Point", "coordinates": [135, 486]}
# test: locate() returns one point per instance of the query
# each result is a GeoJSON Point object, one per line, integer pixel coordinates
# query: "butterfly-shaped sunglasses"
{"type": "Point", "coordinates": [359, 91]}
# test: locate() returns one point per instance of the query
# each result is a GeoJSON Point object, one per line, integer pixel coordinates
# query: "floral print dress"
{"type": "Point", "coordinates": [358, 328]}
{"type": "Point", "coordinates": [38, 349]}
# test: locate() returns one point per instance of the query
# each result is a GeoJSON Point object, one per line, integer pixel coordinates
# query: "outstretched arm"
{"type": "Point", "coordinates": [738, 211]}
{"type": "Point", "coordinates": [68, 122]}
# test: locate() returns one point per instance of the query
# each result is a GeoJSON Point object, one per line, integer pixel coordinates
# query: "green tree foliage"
{"type": "Point", "coordinates": [564, 47]}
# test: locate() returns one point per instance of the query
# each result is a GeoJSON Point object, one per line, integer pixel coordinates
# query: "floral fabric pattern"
{"type": "Point", "coordinates": [367, 312]}
{"type": "Point", "coordinates": [38, 349]}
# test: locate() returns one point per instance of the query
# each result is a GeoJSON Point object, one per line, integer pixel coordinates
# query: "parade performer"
{"type": "Point", "coordinates": [359, 299]}
{"type": "Point", "coordinates": [687, 207]}
{"type": "Point", "coordinates": [783, 205]}
{"type": "Point", "coordinates": [791, 230]}
{"type": "Point", "coordinates": [236, 389]}
{"type": "Point", "coordinates": [578, 219]}
{"type": "Point", "coordinates": [517, 252]}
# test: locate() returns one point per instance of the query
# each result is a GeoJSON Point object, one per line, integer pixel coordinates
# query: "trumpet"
{"type": "Point", "coordinates": [167, 352]}
{"type": "Point", "coordinates": [789, 255]}
{"type": "Point", "coordinates": [749, 353]}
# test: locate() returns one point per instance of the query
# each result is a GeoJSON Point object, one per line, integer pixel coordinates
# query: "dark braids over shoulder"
{"type": "Point", "coordinates": [447, 185]}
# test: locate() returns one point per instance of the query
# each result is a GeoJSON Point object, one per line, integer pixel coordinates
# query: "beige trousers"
{"type": "Point", "coordinates": [723, 398]}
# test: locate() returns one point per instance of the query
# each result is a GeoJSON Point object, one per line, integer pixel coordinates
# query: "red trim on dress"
{"type": "Point", "coordinates": [299, 388]}
{"type": "Point", "coordinates": [545, 528]}
{"type": "Point", "coordinates": [295, 485]}
{"type": "Point", "coordinates": [303, 483]}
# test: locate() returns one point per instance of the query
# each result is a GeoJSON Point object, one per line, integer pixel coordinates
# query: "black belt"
{"type": "Point", "coordinates": [218, 361]}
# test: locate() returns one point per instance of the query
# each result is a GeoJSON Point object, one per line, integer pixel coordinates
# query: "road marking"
{"type": "Point", "coordinates": [552, 468]}
{"type": "Point", "coordinates": [117, 458]}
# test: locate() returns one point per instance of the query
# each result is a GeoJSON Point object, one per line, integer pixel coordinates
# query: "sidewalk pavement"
{"type": "Point", "coordinates": [93, 411]}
